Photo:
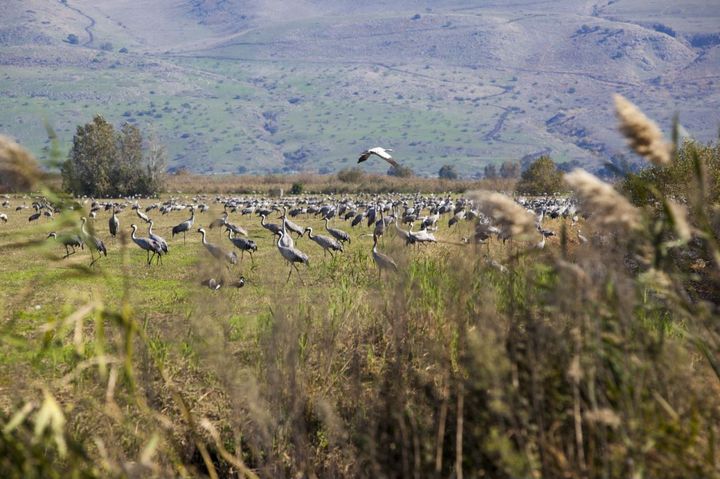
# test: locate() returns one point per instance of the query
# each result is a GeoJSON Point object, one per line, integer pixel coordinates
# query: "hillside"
{"type": "Point", "coordinates": [275, 86]}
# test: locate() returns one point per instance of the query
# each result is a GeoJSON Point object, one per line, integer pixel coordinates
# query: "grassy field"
{"type": "Point", "coordinates": [565, 361]}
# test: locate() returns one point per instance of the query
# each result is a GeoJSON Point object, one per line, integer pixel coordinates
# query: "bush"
{"type": "Point", "coordinates": [447, 172]}
{"type": "Point", "coordinates": [351, 175]}
{"type": "Point", "coordinates": [676, 179]}
{"type": "Point", "coordinates": [542, 177]}
{"type": "Point", "coordinates": [400, 171]}
{"type": "Point", "coordinates": [106, 46]}
{"type": "Point", "coordinates": [297, 189]}
{"type": "Point", "coordinates": [72, 39]}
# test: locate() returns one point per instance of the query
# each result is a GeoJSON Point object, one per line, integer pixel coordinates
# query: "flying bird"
{"type": "Point", "coordinates": [378, 151]}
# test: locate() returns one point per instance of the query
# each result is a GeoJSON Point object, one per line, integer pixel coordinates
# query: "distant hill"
{"type": "Point", "coordinates": [305, 85]}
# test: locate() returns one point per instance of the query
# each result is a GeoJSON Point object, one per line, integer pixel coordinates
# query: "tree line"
{"type": "Point", "coordinates": [106, 162]}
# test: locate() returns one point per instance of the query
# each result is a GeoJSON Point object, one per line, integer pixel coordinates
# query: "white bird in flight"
{"type": "Point", "coordinates": [378, 151]}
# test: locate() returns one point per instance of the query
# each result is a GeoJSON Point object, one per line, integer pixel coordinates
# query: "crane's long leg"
{"type": "Point", "coordinates": [298, 273]}
{"type": "Point", "coordinates": [289, 273]}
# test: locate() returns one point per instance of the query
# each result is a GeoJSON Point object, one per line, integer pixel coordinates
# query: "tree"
{"type": "Point", "coordinates": [107, 163]}
{"type": "Point", "coordinates": [542, 177]}
{"type": "Point", "coordinates": [490, 172]}
{"type": "Point", "coordinates": [447, 172]}
{"type": "Point", "coordinates": [509, 169]}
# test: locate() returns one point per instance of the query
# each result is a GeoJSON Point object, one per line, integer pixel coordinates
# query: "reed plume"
{"type": "Point", "coordinates": [642, 134]}
{"type": "Point", "coordinates": [607, 206]}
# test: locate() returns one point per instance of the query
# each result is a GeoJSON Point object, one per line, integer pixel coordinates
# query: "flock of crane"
{"type": "Point", "coordinates": [381, 213]}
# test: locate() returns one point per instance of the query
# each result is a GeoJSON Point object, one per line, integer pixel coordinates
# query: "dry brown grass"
{"type": "Point", "coordinates": [324, 184]}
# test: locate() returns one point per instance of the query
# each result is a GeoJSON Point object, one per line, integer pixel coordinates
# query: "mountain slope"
{"type": "Point", "coordinates": [304, 85]}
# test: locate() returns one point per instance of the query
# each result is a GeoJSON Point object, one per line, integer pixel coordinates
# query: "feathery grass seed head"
{"type": "Point", "coordinates": [608, 207]}
{"type": "Point", "coordinates": [507, 213]}
{"type": "Point", "coordinates": [643, 135]}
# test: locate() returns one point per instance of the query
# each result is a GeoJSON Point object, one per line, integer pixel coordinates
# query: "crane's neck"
{"type": "Point", "coordinates": [134, 229]}
{"type": "Point", "coordinates": [202, 232]}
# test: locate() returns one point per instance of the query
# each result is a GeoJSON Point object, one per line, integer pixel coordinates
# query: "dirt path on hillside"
{"type": "Point", "coordinates": [88, 29]}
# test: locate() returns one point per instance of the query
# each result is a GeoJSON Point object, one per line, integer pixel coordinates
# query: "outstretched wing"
{"type": "Point", "coordinates": [364, 156]}
{"type": "Point", "coordinates": [383, 153]}
{"type": "Point", "coordinates": [391, 161]}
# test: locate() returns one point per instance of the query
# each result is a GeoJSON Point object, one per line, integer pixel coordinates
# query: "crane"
{"type": "Point", "coordinates": [94, 243]}
{"type": "Point", "coordinates": [114, 224]}
{"type": "Point", "coordinates": [217, 252]}
{"type": "Point", "coordinates": [242, 244]}
{"type": "Point", "coordinates": [69, 241]}
{"type": "Point", "coordinates": [327, 243]}
{"type": "Point", "coordinates": [291, 254]}
{"type": "Point", "coordinates": [382, 261]}
{"type": "Point", "coordinates": [378, 151]}
{"type": "Point", "coordinates": [147, 244]}
{"type": "Point", "coordinates": [185, 226]}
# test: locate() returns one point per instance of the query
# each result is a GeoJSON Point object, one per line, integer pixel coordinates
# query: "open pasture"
{"type": "Point", "coordinates": [319, 375]}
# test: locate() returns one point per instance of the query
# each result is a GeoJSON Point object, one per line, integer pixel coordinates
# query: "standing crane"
{"type": "Point", "coordinates": [114, 224]}
{"type": "Point", "coordinates": [243, 245]}
{"type": "Point", "coordinates": [339, 235]}
{"type": "Point", "coordinates": [327, 243]}
{"type": "Point", "coordinates": [69, 241]}
{"type": "Point", "coordinates": [291, 254]}
{"type": "Point", "coordinates": [93, 242]}
{"type": "Point", "coordinates": [158, 239]}
{"type": "Point", "coordinates": [382, 261]}
{"type": "Point", "coordinates": [185, 226]}
{"type": "Point", "coordinates": [149, 245]}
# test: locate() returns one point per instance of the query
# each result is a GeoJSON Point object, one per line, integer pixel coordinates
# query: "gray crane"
{"type": "Point", "coordinates": [243, 245]}
{"type": "Point", "coordinates": [148, 244]}
{"type": "Point", "coordinates": [271, 227]}
{"type": "Point", "coordinates": [114, 224]}
{"type": "Point", "coordinates": [382, 261]}
{"type": "Point", "coordinates": [238, 230]}
{"type": "Point", "coordinates": [339, 235]}
{"type": "Point", "coordinates": [158, 239]}
{"type": "Point", "coordinates": [185, 226]}
{"type": "Point", "coordinates": [217, 252]}
{"type": "Point", "coordinates": [220, 221]}
{"type": "Point", "coordinates": [93, 242]}
{"type": "Point", "coordinates": [69, 241]}
{"type": "Point", "coordinates": [142, 215]}
{"type": "Point", "coordinates": [327, 243]}
{"type": "Point", "coordinates": [291, 254]}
